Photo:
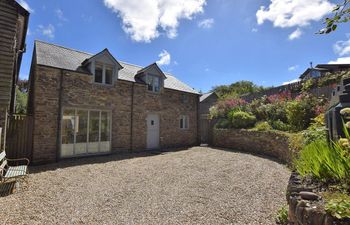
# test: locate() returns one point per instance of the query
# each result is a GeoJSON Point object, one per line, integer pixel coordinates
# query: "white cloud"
{"type": "Point", "coordinates": [254, 30]}
{"type": "Point", "coordinates": [341, 60]}
{"type": "Point", "coordinates": [48, 31]}
{"type": "Point", "coordinates": [165, 58]}
{"type": "Point", "coordinates": [295, 34]}
{"type": "Point", "coordinates": [206, 23]}
{"type": "Point", "coordinates": [60, 15]}
{"type": "Point", "coordinates": [291, 13]}
{"type": "Point", "coordinates": [290, 82]}
{"type": "Point", "coordinates": [293, 68]}
{"type": "Point", "coordinates": [342, 47]}
{"type": "Point", "coordinates": [143, 19]}
{"type": "Point", "coordinates": [294, 13]}
{"type": "Point", "coordinates": [25, 5]}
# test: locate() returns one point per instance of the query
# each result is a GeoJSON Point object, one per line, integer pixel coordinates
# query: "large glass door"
{"type": "Point", "coordinates": [68, 127]}
{"type": "Point", "coordinates": [105, 143]}
{"type": "Point", "coordinates": [85, 132]}
{"type": "Point", "coordinates": [81, 132]}
{"type": "Point", "coordinates": [94, 131]}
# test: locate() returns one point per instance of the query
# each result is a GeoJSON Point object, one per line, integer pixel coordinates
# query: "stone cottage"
{"type": "Point", "coordinates": [92, 104]}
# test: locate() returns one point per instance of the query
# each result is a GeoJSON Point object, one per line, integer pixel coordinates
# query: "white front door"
{"type": "Point", "coordinates": [152, 131]}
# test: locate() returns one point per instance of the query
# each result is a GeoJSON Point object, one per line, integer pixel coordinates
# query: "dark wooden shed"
{"type": "Point", "coordinates": [13, 30]}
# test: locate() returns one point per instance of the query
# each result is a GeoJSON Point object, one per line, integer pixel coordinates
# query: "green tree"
{"type": "Point", "coordinates": [341, 14]}
{"type": "Point", "coordinates": [237, 89]}
{"type": "Point", "coordinates": [21, 101]}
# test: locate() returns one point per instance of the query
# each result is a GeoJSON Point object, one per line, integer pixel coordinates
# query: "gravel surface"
{"type": "Point", "coordinates": [194, 186]}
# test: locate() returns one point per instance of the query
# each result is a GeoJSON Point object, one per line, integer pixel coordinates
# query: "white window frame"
{"type": "Point", "coordinates": [104, 66]}
{"type": "Point", "coordinates": [76, 109]}
{"type": "Point", "coordinates": [184, 122]}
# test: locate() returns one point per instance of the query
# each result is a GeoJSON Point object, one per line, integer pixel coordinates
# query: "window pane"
{"type": "Point", "coordinates": [68, 124]}
{"type": "Point", "coordinates": [105, 132]}
{"type": "Point", "coordinates": [109, 75]}
{"type": "Point", "coordinates": [186, 122]}
{"type": "Point", "coordinates": [98, 74]}
{"type": "Point", "coordinates": [68, 127]}
{"type": "Point", "coordinates": [150, 83]}
{"type": "Point", "coordinates": [94, 126]}
{"type": "Point", "coordinates": [81, 128]}
{"type": "Point", "coordinates": [105, 126]}
{"type": "Point", "coordinates": [181, 122]}
{"type": "Point", "coordinates": [156, 84]}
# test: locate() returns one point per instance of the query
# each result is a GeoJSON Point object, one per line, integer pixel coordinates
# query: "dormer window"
{"type": "Point", "coordinates": [103, 67]}
{"type": "Point", "coordinates": [103, 74]}
{"type": "Point", "coordinates": [98, 73]}
{"type": "Point", "coordinates": [153, 83]}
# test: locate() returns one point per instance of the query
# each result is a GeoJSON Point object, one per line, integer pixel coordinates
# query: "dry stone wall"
{"type": "Point", "coordinates": [268, 143]}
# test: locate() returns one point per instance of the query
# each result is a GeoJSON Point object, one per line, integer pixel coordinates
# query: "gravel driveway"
{"type": "Point", "coordinates": [194, 186]}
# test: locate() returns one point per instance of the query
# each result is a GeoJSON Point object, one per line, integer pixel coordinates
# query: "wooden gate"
{"type": "Point", "coordinates": [19, 136]}
{"type": "Point", "coordinates": [204, 129]}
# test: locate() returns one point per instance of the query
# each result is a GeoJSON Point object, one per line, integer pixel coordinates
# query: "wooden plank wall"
{"type": "Point", "coordinates": [8, 29]}
{"type": "Point", "coordinates": [19, 136]}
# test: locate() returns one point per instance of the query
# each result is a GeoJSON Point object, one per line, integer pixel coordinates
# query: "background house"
{"type": "Point", "coordinates": [13, 30]}
{"type": "Point", "coordinates": [322, 69]}
{"type": "Point", "coordinates": [86, 104]}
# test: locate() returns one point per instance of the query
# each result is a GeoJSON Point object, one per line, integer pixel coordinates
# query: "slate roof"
{"type": "Point", "coordinates": [48, 54]}
{"type": "Point", "coordinates": [205, 96]}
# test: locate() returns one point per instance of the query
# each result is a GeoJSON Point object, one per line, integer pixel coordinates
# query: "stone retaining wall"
{"type": "Point", "coordinates": [269, 143]}
{"type": "Point", "coordinates": [306, 206]}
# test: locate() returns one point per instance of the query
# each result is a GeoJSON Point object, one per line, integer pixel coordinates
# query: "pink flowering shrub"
{"type": "Point", "coordinates": [280, 97]}
{"type": "Point", "coordinates": [223, 107]}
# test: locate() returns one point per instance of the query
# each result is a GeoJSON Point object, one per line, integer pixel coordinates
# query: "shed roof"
{"type": "Point", "coordinates": [52, 55]}
{"type": "Point", "coordinates": [206, 95]}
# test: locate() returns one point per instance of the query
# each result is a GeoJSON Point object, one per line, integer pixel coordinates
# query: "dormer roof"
{"type": "Point", "coordinates": [104, 53]}
{"type": "Point", "coordinates": [153, 68]}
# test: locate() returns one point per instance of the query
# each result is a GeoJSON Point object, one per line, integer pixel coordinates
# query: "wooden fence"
{"type": "Point", "coordinates": [19, 136]}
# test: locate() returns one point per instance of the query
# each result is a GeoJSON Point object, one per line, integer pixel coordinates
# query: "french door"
{"type": "Point", "coordinates": [85, 132]}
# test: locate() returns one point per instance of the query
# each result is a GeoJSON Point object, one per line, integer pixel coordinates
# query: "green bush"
{"type": "Point", "coordinates": [223, 124]}
{"type": "Point", "coordinates": [296, 142]}
{"type": "Point", "coordinates": [316, 131]}
{"type": "Point", "coordinates": [262, 126]}
{"type": "Point", "coordinates": [324, 161]}
{"type": "Point", "coordinates": [300, 112]}
{"type": "Point", "coordinates": [241, 119]}
{"type": "Point", "coordinates": [338, 205]}
{"type": "Point", "coordinates": [282, 216]}
{"type": "Point", "coordinates": [279, 125]}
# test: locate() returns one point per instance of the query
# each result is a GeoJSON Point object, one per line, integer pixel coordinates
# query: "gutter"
{"type": "Point", "coordinates": [59, 116]}
{"type": "Point", "coordinates": [132, 116]}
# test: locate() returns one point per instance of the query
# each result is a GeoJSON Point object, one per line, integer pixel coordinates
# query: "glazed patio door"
{"type": "Point", "coordinates": [85, 132]}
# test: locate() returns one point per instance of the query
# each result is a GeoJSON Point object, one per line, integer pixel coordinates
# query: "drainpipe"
{"type": "Point", "coordinates": [60, 95]}
{"type": "Point", "coordinates": [132, 116]}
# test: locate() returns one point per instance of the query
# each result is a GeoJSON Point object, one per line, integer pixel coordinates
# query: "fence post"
{"type": "Point", "coordinates": [5, 129]}
{"type": "Point", "coordinates": [0, 136]}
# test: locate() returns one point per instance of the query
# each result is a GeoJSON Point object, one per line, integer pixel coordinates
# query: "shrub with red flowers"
{"type": "Point", "coordinates": [280, 97]}
{"type": "Point", "coordinates": [281, 111]}
{"type": "Point", "coordinates": [223, 107]}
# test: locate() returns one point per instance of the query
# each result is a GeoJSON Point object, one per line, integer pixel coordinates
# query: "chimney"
{"type": "Point", "coordinates": [311, 65]}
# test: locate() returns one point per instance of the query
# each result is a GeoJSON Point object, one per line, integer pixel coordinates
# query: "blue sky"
{"type": "Point", "coordinates": [202, 42]}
